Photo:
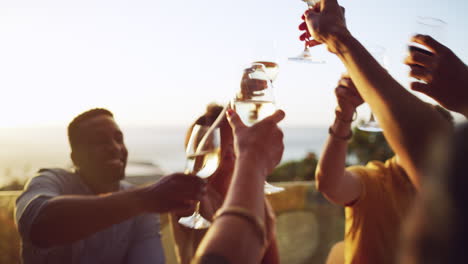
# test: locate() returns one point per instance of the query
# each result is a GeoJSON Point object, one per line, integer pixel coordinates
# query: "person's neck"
{"type": "Point", "coordinates": [96, 186]}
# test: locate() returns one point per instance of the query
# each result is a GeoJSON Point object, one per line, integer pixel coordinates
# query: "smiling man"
{"type": "Point", "coordinates": [89, 215]}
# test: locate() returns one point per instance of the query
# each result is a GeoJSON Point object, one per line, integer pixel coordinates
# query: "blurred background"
{"type": "Point", "coordinates": [157, 64]}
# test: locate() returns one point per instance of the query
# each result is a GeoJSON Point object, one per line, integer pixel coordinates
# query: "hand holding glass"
{"type": "Point", "coordinates": [255, 101]}
{"type": "Point", "coordinates": [305, 55]}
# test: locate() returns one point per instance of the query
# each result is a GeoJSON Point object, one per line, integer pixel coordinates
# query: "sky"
{"type": "Point", "coordinates": [158, 63]}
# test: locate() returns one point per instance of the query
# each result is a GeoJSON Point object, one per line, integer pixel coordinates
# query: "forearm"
{"type": "Point", "coordinates": [409, 124]}
{"type": "Point", "coordinates": [271, 255]}
{"type": "Point", "coordinates": [331, 167]}
{"type": "Point", "coordinates": [332, 179]}
{"type": "Point", "coordinates": [230, 232]}
{"type": "Point", "coordinates": [66, 219]}
{"type": "Point", "coordinates": [246, 189]}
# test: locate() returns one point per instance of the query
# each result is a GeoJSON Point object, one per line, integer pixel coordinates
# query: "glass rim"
{"type": "Point", "coordinates": [266, 63]}
{"type": "Point", "coordinates": [313, 2]}
{"type": "Point", "coordinates": [197, 128]}
{"type": "Point", "coordinates": [431, 21]}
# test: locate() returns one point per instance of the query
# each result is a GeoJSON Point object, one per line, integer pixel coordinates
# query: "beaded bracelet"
{"type": "Point", "coordinates": [346, 138]}
{"type": "Point", "coordinates": [247, 215]}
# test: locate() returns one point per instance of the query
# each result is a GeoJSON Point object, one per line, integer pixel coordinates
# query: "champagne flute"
{"type": "Point", "coordinates": [203, 157]}
{"type": "Point", "coordinates": [305, 55]}
{"type": "Point", "coordinates": [255, 101]}
{"type": "Point", "coordinates": [371, 125]}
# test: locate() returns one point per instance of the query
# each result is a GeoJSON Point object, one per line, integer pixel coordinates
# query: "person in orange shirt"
{"type": "Point", "coordinates": [376, 197]}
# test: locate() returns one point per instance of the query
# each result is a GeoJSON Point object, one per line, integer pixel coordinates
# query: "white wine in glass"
{"type": "Point", "coordinates": [203, 157]}
{"type": "Point", "coordinates": [260, 103]}
{"type": "Point", "coordinates": [252, 111]}
{"type": "Point", "coordinates": [255, 101]}
{"type": "Point", "coordinates": [271, 69]}
{"type": "Point", "coordinates": [203, 164]}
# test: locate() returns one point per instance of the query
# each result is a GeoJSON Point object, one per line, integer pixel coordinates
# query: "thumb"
{"type": "Point", "coordinates": [276, 117]}
{"type": "Point", "coordinates": [234, 120]}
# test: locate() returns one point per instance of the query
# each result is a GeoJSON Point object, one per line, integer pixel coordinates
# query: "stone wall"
{"type": "Point", "coordinates": [307, 226]}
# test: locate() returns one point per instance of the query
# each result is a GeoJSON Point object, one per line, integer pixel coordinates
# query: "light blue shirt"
{"type": "Point", "coordinates": [135, 241]}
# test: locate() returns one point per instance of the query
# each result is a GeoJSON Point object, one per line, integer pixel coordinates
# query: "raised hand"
{"type": "Point", "coordinates": [323, 22]}
{"type": "Point", "coordinates": [444, 74]}
{"type": "Point", "coordinates": [347, 96]}
{"type": "Point", "coordinates": [262, 142]}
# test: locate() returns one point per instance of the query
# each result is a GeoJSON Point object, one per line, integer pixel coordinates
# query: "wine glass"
{"type": "Point", "coordinates": [434, 27]}
{"type": "Point", "coordinates": [203, 157]}
{"type": "Point", "coordinates": [431, 26]}
{"type": "Point", "coordinates": [255, 101]}
{"type": "Point", "coordinates": [371, 125]}
{"type": "Point", "coordinates": [271, 69]}
{"type": "Point", "coordinates": [305, 55]}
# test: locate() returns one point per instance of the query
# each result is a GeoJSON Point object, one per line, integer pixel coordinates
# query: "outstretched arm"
{"type": "Point", "coordinates": [65, 219]}
{"type": "Point", "coordinates": [409, 124]}
{"type": "Point", "coordinates": [332, 179]}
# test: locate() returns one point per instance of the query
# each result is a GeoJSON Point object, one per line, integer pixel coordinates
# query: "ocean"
{"type": "Point", "coordinates": [24, 151]}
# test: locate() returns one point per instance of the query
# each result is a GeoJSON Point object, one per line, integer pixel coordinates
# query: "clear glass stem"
{"type": "Point", "coordinates": [196, 220]}
{"type": "Point", "coordinates": [197, 208]}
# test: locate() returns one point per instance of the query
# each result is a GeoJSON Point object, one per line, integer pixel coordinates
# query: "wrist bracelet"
{"type": "Point", "coordinates": [338, 116]}
{"type": "Point", "coordinates": [346, 138]}
{"type": "Point", "coordinates": [243, 213]}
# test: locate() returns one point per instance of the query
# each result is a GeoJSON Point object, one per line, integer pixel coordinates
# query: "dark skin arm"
{"type": "Point", "coordinates": [66, 219]}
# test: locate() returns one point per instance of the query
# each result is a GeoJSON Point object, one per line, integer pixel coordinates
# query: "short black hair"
{"type": "Point", "coordinates": [213, 110]}
{"type": "Point", "coordinates": [74, 126]}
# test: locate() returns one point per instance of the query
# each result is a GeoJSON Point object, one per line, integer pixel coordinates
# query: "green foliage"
{"type": "Point", "coordinates": [367, 146]}
{"type": "Point", "coordinates": [301, 170]}
{"type": "Point", "coordinates": [15, 185]}
{"type": "Point", "coordinates": [363, 147]}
